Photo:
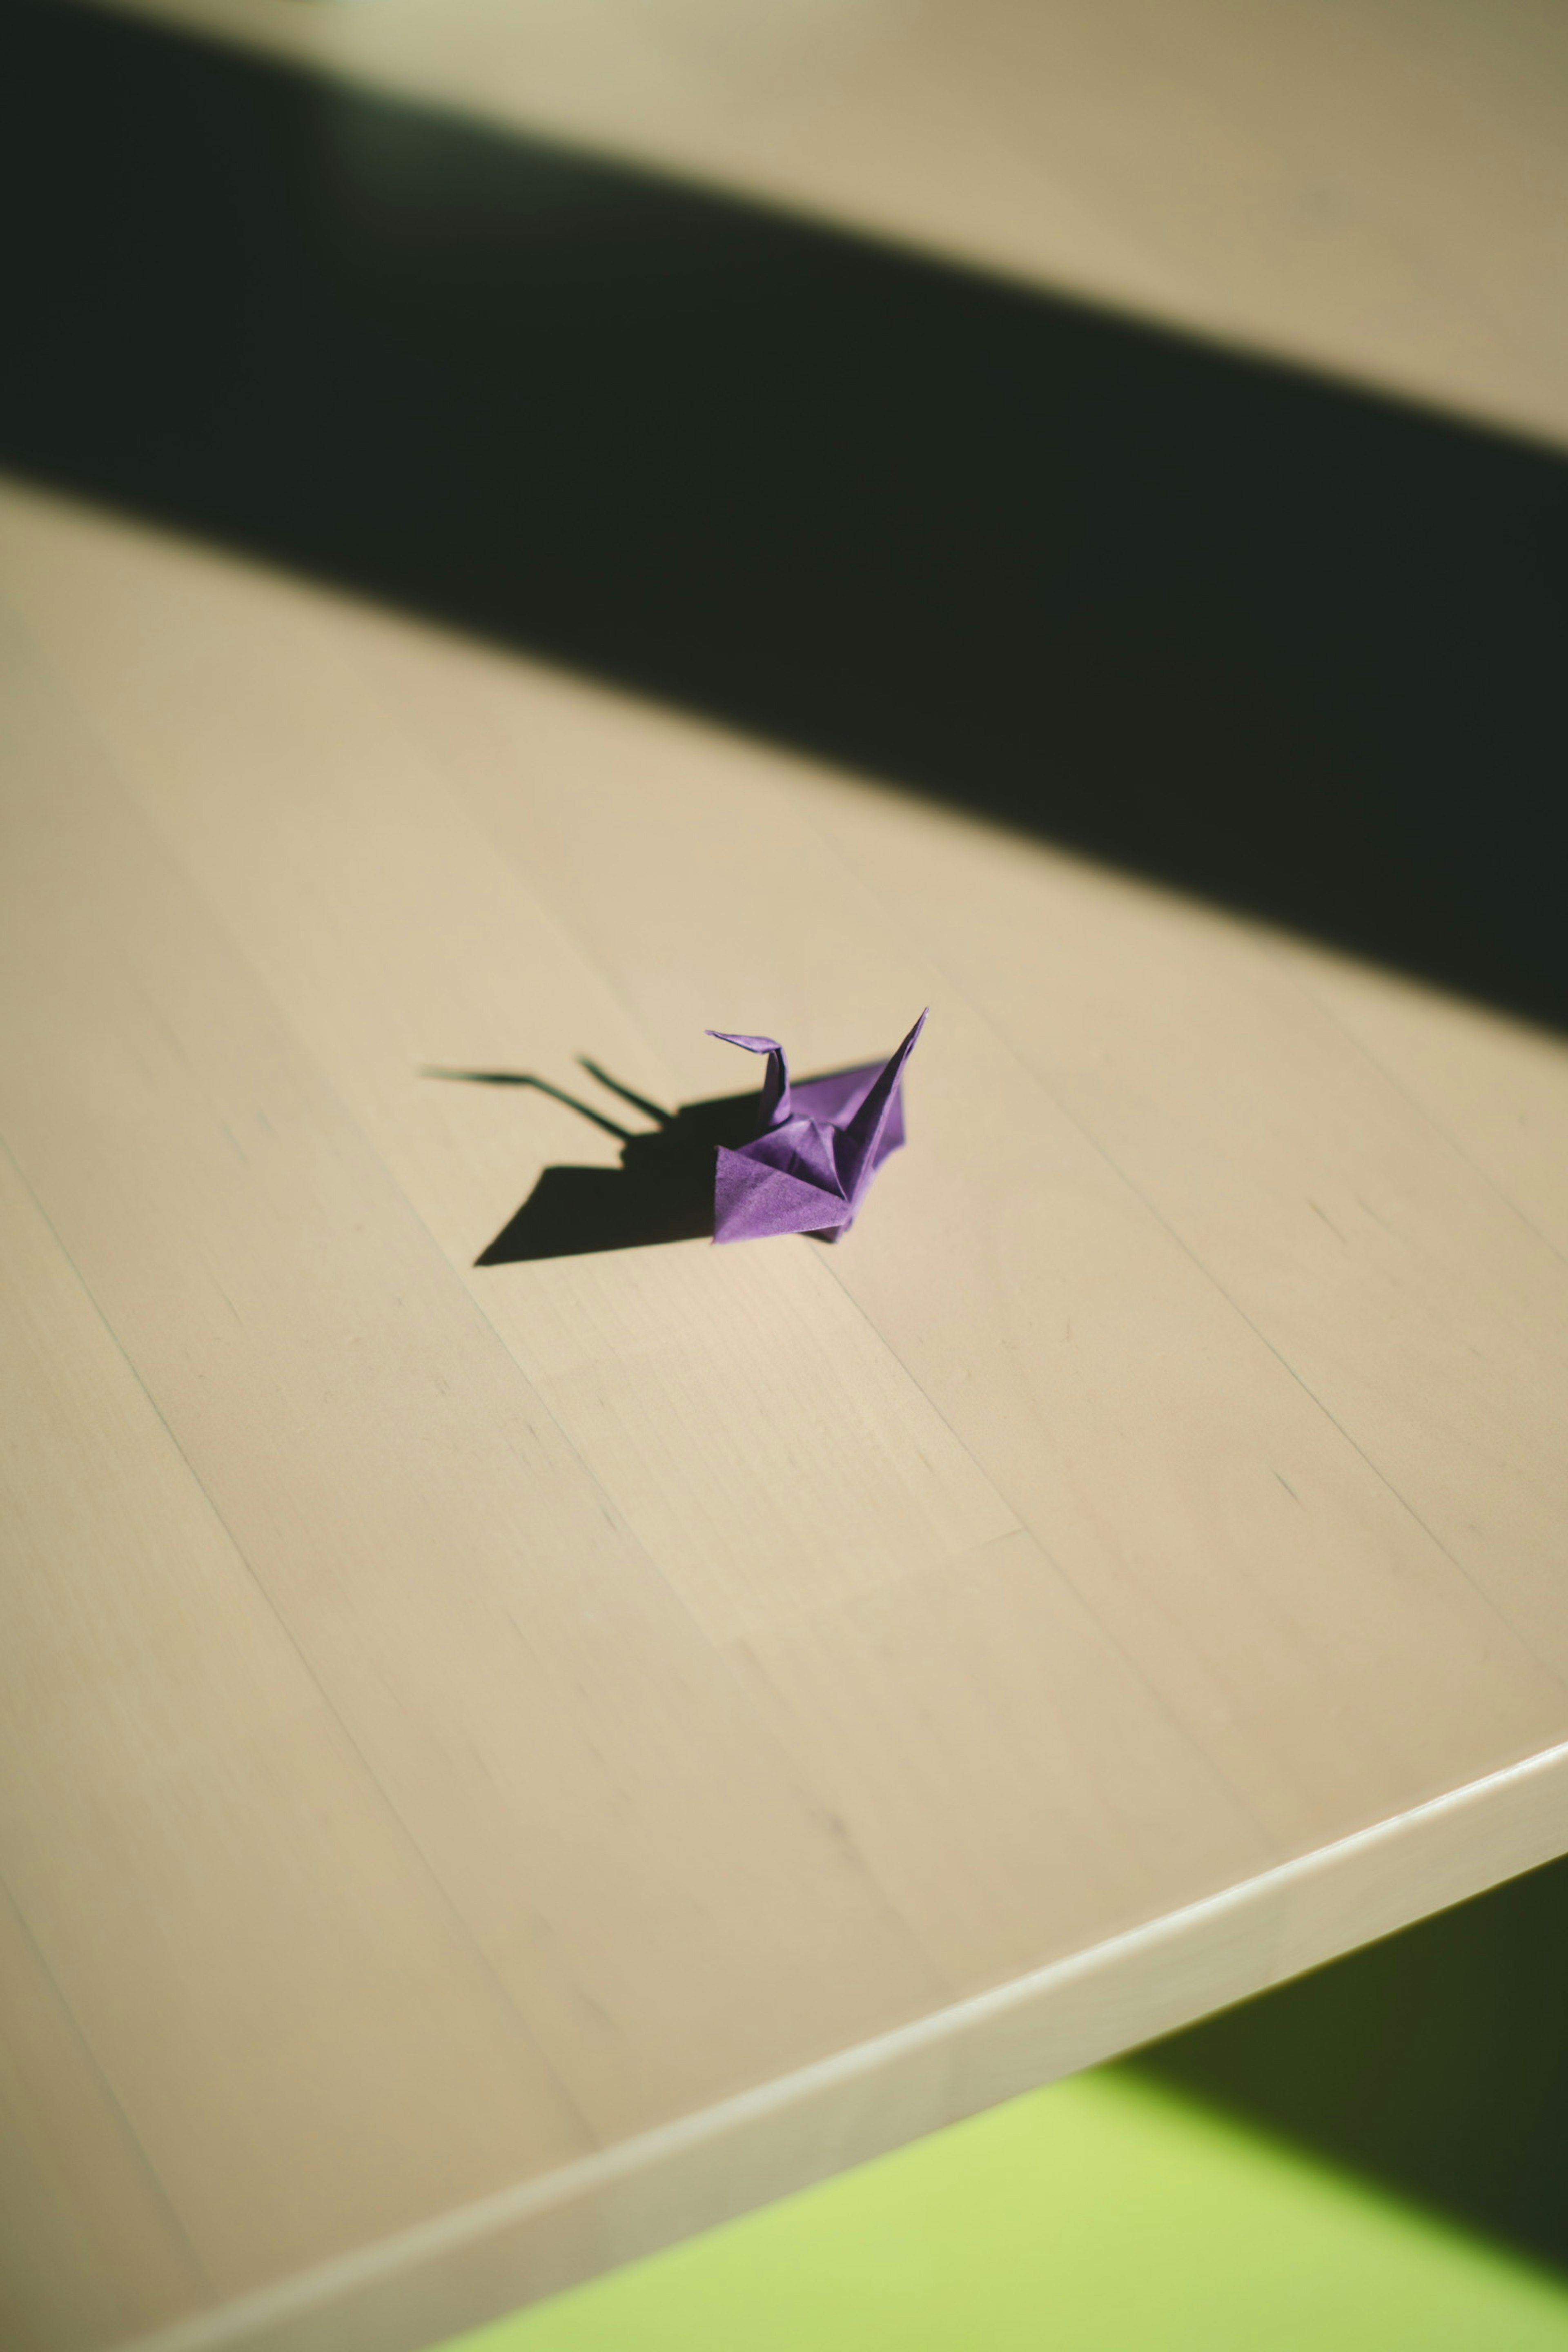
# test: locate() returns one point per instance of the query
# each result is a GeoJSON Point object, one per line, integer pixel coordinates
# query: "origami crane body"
{"type": "Point", "coordinates": [820, 1144]}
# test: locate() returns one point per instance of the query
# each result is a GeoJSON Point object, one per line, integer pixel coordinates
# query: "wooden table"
{"type": "Point", "coordinates": [503, 1766]}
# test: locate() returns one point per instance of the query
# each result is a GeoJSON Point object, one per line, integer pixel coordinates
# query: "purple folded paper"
{"type": "Point", "coordinates": [819, 1146]}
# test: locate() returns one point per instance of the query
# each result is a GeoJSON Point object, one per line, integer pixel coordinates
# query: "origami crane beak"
{"type": "Point", "coordinates": [775, 1105]}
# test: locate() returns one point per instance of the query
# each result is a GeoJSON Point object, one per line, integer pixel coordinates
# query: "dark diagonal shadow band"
{"type": "Point", "coordinates": [1270, 640]}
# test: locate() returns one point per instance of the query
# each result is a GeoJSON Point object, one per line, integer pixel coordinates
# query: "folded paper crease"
{"type": "Point", "coordinates": [819, 1144]}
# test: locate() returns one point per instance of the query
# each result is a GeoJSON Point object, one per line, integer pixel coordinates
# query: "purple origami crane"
{"type": "Point", "coordinates": [820, 1144]}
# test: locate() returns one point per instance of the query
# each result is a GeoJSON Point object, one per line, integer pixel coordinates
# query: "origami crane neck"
{"type": "Point", "coordinates": [774, 1108]}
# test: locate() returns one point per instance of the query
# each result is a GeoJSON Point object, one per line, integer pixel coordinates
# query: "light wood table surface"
{"type": "Point", "coordinates": [503, 1767]}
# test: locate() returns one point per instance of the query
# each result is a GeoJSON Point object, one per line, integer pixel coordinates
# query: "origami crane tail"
{"type": "Point", "coordinates": [775, 1083]}
{"type": "Point", "coordinates": [856, 1147]}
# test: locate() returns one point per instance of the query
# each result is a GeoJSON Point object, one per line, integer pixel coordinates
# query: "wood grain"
{"type": "Point", "coordinates": [90, 2249]}
{"type": "Point", "coordinates": [506, 1765]}
{"type": "Point", "coordinates": [495, 1641]}
{"type": "Point", "coordinates": [240, 1928]}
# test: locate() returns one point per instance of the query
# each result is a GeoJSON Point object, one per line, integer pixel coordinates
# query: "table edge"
{"type": "Point", "coordinates": [540, 2237]}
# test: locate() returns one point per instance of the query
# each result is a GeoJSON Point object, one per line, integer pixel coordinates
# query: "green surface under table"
{"type": "Point", "coordinates": [1374, 2158]}
{"type": "Point", "coordinates": [1105, 2214]}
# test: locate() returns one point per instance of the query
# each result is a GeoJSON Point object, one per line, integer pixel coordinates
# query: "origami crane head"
{"type": "Point", "coordinates": [819, 1145]}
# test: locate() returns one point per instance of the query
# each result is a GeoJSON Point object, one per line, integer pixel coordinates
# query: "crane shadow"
{"type": "Point", "coordinates": [661, 1191]}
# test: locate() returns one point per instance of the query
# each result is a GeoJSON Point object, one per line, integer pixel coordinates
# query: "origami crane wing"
{"type": "Point", "coordinates": [817, 1148]}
